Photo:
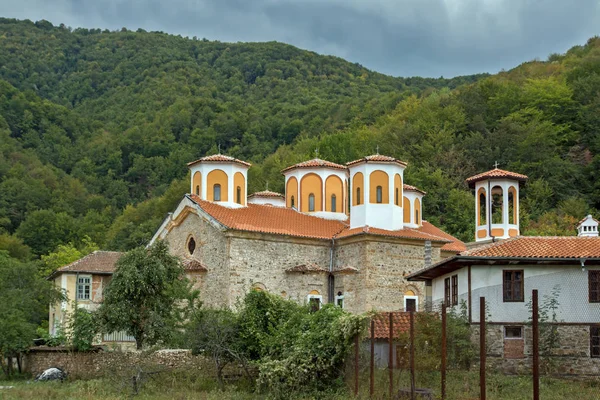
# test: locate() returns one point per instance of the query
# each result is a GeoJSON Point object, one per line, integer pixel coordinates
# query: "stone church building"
{"type": "Point", "coordinates": [344, 234]}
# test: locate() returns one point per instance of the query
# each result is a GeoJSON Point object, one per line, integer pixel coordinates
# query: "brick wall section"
{"type": "Point", "coordinates": [87, 365]}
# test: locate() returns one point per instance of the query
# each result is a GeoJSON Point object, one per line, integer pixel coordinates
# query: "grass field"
{"type": "Point", "coordinates": [186, 385]}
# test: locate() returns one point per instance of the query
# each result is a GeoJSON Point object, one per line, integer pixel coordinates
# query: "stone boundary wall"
{"type": "Point", "coordinates": [570, 359]}
{"type": "Point", "coordinates": [100, 363]}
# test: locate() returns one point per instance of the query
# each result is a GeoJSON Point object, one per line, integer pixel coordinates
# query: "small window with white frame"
{"type": "Point", "coordinates": [314, 299]}
{"type": "Point", "coordinates": [513, 332]}
{"type": "Point", "coordinates": [84, 287]}
{"type": "Point", "coordinates": [339, 300]}
{"type": "Point", "coordinates": [411, 303]}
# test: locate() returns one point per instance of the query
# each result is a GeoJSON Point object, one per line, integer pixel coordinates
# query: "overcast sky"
{"type": "Point", "coordinates": [397, 37]}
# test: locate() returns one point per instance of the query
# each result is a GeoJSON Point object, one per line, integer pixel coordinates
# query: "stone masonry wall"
{"type": "Point", "coordinates": [386, 266]}
{"type": "Point", "coordinates": [87, 365]}
{"type": "Point", "coordinates": [571, 357]}
{"type": "Point", "coordinates": [257, 260]}
{"type": "Point", "coordinates": [211, 250]}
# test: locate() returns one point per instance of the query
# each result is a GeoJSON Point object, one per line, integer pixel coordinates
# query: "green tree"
{"type": "Point", "coordinates": [24, 296]}
{"type": "Point", "coordinates": [149, 296]}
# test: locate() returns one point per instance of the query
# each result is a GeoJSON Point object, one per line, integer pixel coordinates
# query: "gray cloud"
{"type": "Point", "coordinates": [397, 37]}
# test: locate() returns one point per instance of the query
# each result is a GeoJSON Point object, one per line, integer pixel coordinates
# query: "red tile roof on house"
{"type": "Point", "coordinates": [400, 321]}
{"type": "Point", "coordinates": [220, 158]}
{"type": "Point", "coordinates": [98, 262]}
{"type": "Point", "coordinates": [456, 245]}
{"type": "Point", "coordinates": [377, 158]}
{"type": "Point", "coordinates": [522, 249]}
{"type": "Point", "coordinates": [315, 163]}
{"type": "Point", "coordinates": [286, 221]}
{"type": "Point", "coordinates": [266, 193]}
{"type": "Point", "coordinates": [495, 173]}
{"type": "Point", "coordinates": [411, 188]}
{"type": "Point", "coordinates": [540, 247]}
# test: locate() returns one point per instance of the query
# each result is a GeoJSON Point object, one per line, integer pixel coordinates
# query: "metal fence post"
{"type": "Point", "coordinates": [412, 355]}
{"type": "Point", "coordinates": [444, 351]}
{"type": "Point", "coordinates": [482, 350]}
{"type": "Point", "coordinates": [372, 384]}
{"type": "Point", "coordinates": [356, 360]}
{"type": "Point", "coordinates": [391, 355]}
{"type": "Point", "coordinates": [536, 348]}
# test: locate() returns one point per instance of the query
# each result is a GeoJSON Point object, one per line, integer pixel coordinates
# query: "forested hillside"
{"type": "Point", "coordinates": [96, 128]}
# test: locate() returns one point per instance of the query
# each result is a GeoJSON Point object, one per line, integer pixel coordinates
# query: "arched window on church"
{"type": "Point", "coordinates": [293, 202]}
{"type": "Point", "coordinates": [482, 209]}
{"type": "Point", "coordinates": [217, 192]}
{"type": "Point", "coordinates": [512, 211]}
{"type": "Point", "coordinates": [238, 195]}
{"type": "Point", "coordinates": [333, 203]}
{"type": "Point", "coordinates": [197, 190]}
{"type": "Point", "coordinates": [497, 206]}
{"type": "Point", "coordinates": [417, 217]}
{"type": "Point", "coordinates": [397, 200]}
{"type": "Point", "coordinates": [191, 245]}
{"type": "Point", "coordinates": [379, 194]}
{"type": "Point", "coordinates": [358, 196]}
{"type": "Point", "coordinates": [311, 202]}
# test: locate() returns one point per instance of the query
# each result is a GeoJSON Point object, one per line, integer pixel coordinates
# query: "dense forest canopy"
{"type": "Point", "coordinates": [96, 128]}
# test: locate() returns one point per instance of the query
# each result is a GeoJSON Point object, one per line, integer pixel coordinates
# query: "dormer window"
{"type": "Point", "coordinates": [217, 192]}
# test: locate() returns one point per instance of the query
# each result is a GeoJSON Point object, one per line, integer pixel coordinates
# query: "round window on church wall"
{"type": "Point", "coordinates": [191, 245]}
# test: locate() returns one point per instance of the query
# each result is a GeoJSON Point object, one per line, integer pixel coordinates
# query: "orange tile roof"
{"type": "Point", "coordinates": [275, 220]}
{"type": "Point", "coordinates": [98, 262]}
{"type": "Point", "coordinates": [286, 221]}
{"type": "Point", "coordinates": [407, 233]}
{"type": "Point", "coordinates": [220, 158]}
{"type": "Point", "coordinates": [540, 247]}
{"type": "Point", "coordinates": [455, 246]}
{"type": "Point", "coordinates": [411, 188]}
{"type": "Point", "coordinates": [495, 173]}
{"type": "Point", "coordinates": [266, 193]}
{"type": "Point", "coordinates": [377, 158]}
{"type": "Point", "coordinates": [400, 321]}
{"type": "Point", "coordinates": [314, 163]}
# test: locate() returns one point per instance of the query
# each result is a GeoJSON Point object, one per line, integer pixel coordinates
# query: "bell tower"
{"type": "Point", "coordinates": [496, 204]}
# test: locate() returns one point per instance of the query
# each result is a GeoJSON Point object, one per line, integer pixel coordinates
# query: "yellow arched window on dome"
{"type": "Point", "coordinates": [358, 182]}
{"type": "Point", "coordinates": [379, 187]}
{"type": "Point", "coordinates": [197, 183]}
{"type": "Point", "coordinates": [334, 190]}
{"type": "Point", "coordinates": [398, 190]}
{"type": "Point", "coordinates": [291, 192]}
{"type": "Point", "coordinates": [311, 184]}
{"type": "Point", "coordinates": [406, 209]}
{"type": "Point", "coordinates": [216, 182]}
{"type": "Point", "coordinates": [418, 215]}
{"type": "Point", "coordinates": [239, 182]}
